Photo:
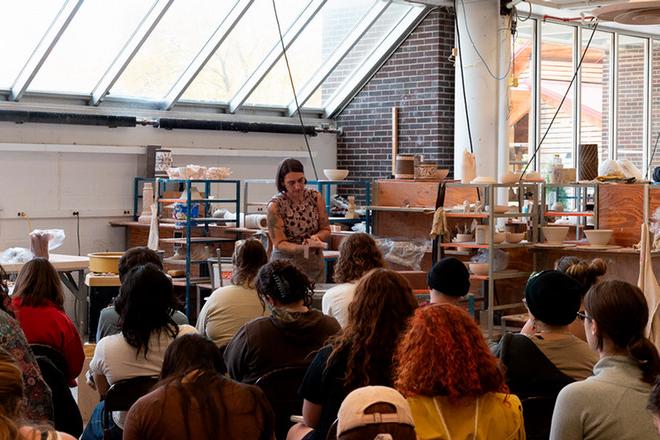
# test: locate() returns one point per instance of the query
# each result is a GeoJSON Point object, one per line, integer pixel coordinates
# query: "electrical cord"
{"type": "Point", "coordinates": [474, 46]}
{"type": "Point", "coordinates": [568, 89]}
{"type": "Point", "coordinates": [293, 89]}
{"type": "Point", "coordinates": [78, 230]}
{"type": "Point", "coordinates": [529, 14]}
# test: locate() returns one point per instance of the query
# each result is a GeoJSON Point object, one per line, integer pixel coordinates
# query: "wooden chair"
{"type": "Point", "coordinates": [281, 388]}
{"type": "Point", "coordinates": [122, 395]}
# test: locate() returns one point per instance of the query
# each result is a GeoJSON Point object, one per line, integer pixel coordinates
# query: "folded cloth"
{"type": "Point", "coordinates": [439, 226]}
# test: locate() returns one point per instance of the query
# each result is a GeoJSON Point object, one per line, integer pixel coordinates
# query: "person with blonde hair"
{"type": "Point", "coordinates": [229, 307]}
{"type": "Point", "coordinates": [358, 254]}
{"type": "Point", "coordinates": [12, 426]}
{"type": "Point", "coordinates": [454, 385]}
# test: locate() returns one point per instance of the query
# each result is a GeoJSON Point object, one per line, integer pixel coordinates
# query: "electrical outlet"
{"type": "Point", "coordinates": [21, 214]}
{"type": "Point", "coordinates": [76, 214]}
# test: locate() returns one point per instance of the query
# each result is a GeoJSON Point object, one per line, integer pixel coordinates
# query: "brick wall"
{"type": "Point", "coordinates": [419, 80]}
{"type": "Point", "coordinates": [630, 124]}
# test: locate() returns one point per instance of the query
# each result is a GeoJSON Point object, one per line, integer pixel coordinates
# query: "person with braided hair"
{"type": "Point", "coordinates": [611, 404]}
{"type": "Point", "coordinates": [288, 337]}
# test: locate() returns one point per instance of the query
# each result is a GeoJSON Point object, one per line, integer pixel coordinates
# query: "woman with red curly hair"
{"type": "Point", "coordinates": [455, 387]}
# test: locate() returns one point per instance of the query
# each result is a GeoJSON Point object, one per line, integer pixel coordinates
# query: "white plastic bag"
{"type": "Point", "coordinates": [16, 255]}
{"type": "Point", "coordinates": [56, 239]}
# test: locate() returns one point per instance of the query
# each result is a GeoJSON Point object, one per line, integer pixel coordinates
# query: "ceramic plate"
{"type": "Point", "coordinates": [599, 246]}
{"type": "Point", "coordinates": [555, 245]}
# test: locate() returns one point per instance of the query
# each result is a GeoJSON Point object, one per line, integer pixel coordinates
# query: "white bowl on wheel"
{"type": "Point", "coordinates": [555, 234]}
{"type": "Point", "coordinates": [598, 237]}
{"type": "Point", "coordinates": [335, 174]}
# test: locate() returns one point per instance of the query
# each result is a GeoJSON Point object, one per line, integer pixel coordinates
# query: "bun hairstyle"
{"type": "Point", "coordinates": [585, 272]}
{"type": "Point", "coordinates": [284, 282]}
{"type": "Point", "coordinates": [620, 310]}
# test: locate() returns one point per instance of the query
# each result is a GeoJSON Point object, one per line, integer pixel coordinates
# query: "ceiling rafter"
{"type": "Point", "coordinates": [44, 48]}
{"type": "Point", "coordinates": [338, 55]}
{"type": "Point", "coordinates": [206, 52]}
{"type": "Point", "coordinates": [130, 49]}
{"type": "Point", "coordinates": [312, 8]}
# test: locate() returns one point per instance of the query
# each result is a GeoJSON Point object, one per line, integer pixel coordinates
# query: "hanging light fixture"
{"type": "Point", "coordinates": [633, 12]}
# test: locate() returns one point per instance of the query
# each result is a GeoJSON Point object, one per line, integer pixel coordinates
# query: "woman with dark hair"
{"type": "Point", "coordinates": [38, 302]}
{"type": "Point", "coordinates": [144, 305]}
{"type": "Point", "coordinates": [359, 356]}
{"type": "Point", "coordinates": [229, 307]}
{"type": "Point", "coordinates": [194, 401]}
{"type": "Point", "coordinates": [289, 335]}
{"type": "Point", "coordinates": [454, 385]}
{"type": "Point", "coordinates": [358, 254]}
{"type": "Point", "coordinates": [586, 273]}
{"type": "Point", "coordinates": [12, 424]}
{"type": "Point", "coordinates": [38, 402]}
{"type": "Point", "coordinates": [611, 404]}
{"type": "Point", "coordinates": [297, 221]}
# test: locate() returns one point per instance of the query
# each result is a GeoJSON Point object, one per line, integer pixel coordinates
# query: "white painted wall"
{"type": "Point", "coordinates": [48, 171]}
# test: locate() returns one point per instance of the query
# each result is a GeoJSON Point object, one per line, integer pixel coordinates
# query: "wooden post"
{"type": "Point", "coordinates": [395, 136]}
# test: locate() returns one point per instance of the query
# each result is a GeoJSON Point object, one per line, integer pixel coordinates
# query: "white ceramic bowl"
{"type": "Point", "coordinates": [479, 268]}
{"type": "Point", "coordinates": [555, 234]}
{"type": "Point", "coordinates": [598, 237]}
{"type": "Point", "coordinates": [335, 174]}
{"type": "Point", "coordinates": [514, 237]}
{"type": "Point", "coordinates": [498, 237]}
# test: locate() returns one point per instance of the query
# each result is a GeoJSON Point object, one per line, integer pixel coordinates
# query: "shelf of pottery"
{"type": "Point", "coordinates": [195, 207]}
{"type": "Point", "coordinates": [487, 232]}
{"type": "Point", "coordinates": [571, 210]}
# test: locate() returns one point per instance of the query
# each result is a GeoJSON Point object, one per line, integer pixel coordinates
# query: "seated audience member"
{"type": "Point", "coordinates": [137, 256]}
{"type": "Point", "coordinates": [587, 273]}
{"type": "Point", "coordinates": [553, 300]}
{"type": "Point", "coordinates": [611, 404]}
{"type": "Point", "coordinates": [375, 412]}
{"type": "Point", "coordinates": [359, 356]}
{"type": "Point", "coordinates": [38, 403]}
{"type": "Point", "coordinates": [38, 302]}
{"type": "Point", "coordinates": [358, 254]}
{"type": "Point", "coordinates": [229, 307]}
{"type": "Point", "coordinates": [653, 405]}
{"type": "Point", "coordinates": [454, 386]}
{"type": "Point", "coordinates": [289, 335]}
{"type": "Point", "coordinates": [449, 281]}
{"type": "Point", "coordinates": [193, 400]}
{"type": "Point", "coordinates": [12, 422]}
{"type": "Point", "coordinates": [144, 304]}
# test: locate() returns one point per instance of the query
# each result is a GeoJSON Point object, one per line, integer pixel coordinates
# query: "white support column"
{"type": "Point", "coordinates": [486, 97]}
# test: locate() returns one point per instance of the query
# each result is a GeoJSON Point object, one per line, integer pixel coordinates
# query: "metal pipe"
{"type": "Point", "coordinates": [22, 116]}
{"type": "Point", "coordinates": [196, 124]}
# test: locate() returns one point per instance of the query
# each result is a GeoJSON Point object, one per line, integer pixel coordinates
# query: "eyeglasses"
{"type": "Point", "coordinates": [583, 315]}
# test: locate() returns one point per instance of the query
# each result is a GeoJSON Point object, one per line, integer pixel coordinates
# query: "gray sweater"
{"type": "Point", "coordinates": [609, 405]}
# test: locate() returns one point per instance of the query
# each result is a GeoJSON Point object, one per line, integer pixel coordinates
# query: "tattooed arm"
{"type": "Point", "coordinates": [276, 232]}
{"type": "Point", "coordinates": [323, 233]}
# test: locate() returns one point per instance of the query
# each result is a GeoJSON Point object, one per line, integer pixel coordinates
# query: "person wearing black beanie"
{"type": "Point", "coordinates": [449, 281]}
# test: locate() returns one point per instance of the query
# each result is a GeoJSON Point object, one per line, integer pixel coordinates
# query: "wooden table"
{"type": "Point", "coordinates": [66, 266]}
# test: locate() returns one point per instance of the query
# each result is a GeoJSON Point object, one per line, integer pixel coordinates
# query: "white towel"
{"type": "Point", "coordinates": [649, 285]}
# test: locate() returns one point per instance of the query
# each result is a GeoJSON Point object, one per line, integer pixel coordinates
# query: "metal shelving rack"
{"type": "Point", "coordinates": [199, 223]}
{"type": "Point", "coordinates": [581, 196]}
{"type": "Point", "coordinates": [322, 186]}
{"type": "Point", "coordinates": [488, 195]}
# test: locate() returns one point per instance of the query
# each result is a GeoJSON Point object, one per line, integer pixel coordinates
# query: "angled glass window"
{"type": "Point", "coordinates": [557, 69]}
{"type": "Point", "coordinates": [89, 45]}
{"type": "Point", "coordinates": [170, 48]}
{"type": "Point", "coordinates": [23, 25]}
{"type": "Point", "coordinates": [314, 45]}
{"type": "Point", "coordinates": [365, 47]}
{"type": "Point", "coordinates": [242, 51]}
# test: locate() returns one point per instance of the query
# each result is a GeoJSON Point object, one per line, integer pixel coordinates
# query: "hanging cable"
{"type": "Point", "coordinates": [568, 89]}
{"type": "Point", "coordinates": [474, 46]}
{"type": "Point", "coordinates": [460, 61]}
{"type": "Point", "coordinates": [293, 89]}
